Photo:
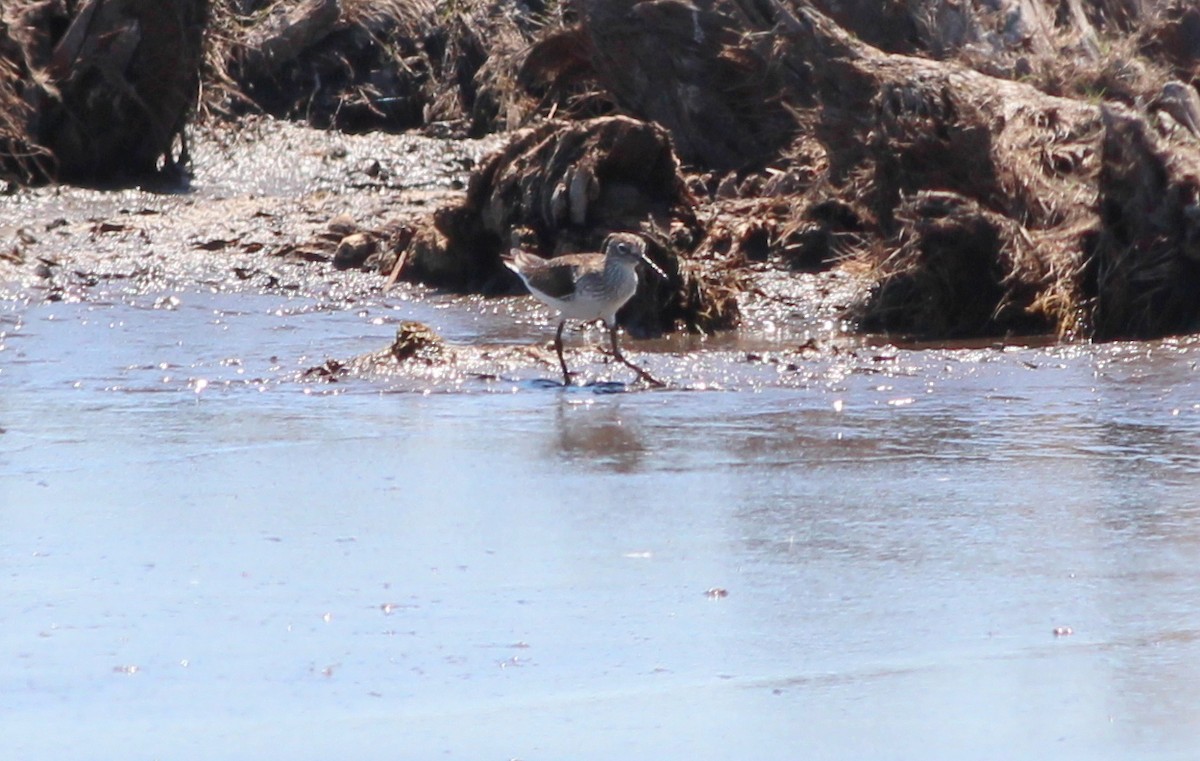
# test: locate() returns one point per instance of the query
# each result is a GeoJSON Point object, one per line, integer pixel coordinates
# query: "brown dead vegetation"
{"type": "Point", "coordinates": [97, 90]}
{"type": "Point", "coordinates": [1143, 275]}
{"type": "Point", "coordinates": [1062, 221]}
{"type": "Point", "coordinates": [998, 167]}
{"type": "Point", "coordinates": [21, 158]}
{"type": "Point", "coordinates": [959, 271]}
{"type": "Point", "coordinates": [692, 70]}
{"type": "Point", "coordinates": [334, 63]}
{"type": "Point", "coordinates": [359, 65]}
{"type": "Point", "coordinates": [975, 182]}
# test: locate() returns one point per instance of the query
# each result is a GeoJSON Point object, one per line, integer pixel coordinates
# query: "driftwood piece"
{"type": "Point", "coordinates": [942, 29]}
{"type": "Point", "coordinates": [1182, 103]}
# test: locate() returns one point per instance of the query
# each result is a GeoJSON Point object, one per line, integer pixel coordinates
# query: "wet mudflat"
{"type": "Point", "coordinates": [860, 557]}
{"type": "Point", "coordinates": [809, 545]}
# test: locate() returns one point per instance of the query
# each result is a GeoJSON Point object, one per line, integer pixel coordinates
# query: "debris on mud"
{"type": "Point", "coordinates": [419, 355]}
{"type": "Point", "coordinates": [416, 345]}
{"type": "Point", "coordinates": [416, 342]}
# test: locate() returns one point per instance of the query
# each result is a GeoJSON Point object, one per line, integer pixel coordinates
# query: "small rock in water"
{"type": "Point", "coordinates": [1063, 631]}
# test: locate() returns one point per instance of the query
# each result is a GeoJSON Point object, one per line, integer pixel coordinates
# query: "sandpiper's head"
{"type": "Point", "coordinates": [630, 248]}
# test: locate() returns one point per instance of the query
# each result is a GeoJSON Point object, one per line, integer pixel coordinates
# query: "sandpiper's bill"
{"type": "Point", "coordinates": [587, 287]}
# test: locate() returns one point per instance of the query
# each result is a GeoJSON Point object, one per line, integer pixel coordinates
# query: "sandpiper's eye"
{"type": "Point", "coordinates": [623, 248]}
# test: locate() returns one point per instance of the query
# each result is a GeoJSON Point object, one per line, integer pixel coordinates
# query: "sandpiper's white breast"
{"type": "Point", "coordinates": [600, 293]}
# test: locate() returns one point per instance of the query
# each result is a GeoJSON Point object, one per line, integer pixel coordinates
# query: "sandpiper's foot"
{"type": "Point", "coordinates": [643, 375]}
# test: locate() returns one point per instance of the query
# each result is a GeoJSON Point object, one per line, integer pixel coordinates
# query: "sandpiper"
{"type": "Point", "coordinates": [587, 287]}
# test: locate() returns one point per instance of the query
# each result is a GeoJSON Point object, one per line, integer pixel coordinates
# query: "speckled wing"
{"type": "Point", "coordinates": [552, 277]}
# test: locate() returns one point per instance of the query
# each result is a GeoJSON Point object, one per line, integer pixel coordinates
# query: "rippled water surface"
{"type": "Point", "coordinates": [206, 557]}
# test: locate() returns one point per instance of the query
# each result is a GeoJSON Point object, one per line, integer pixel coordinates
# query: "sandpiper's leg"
{"type": "Point", "coordinates": [558, 347]}
{"type": "Point", "coordinates": [612, 332]}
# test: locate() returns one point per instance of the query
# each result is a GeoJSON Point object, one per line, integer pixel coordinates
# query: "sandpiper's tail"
{"type": "Point", "coordinates": [521, 261]}
{"type": "Point", "coordinates": [518, 256]}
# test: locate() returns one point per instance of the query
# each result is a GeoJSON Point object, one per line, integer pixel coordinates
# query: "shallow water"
{"type": "Point", "coordinates": [205, 557]}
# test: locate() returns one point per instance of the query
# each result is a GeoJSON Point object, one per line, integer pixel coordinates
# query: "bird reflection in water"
{"type": "Point", "coordinates": [598, 435]}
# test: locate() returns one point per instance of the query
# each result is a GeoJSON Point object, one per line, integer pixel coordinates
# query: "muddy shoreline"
{"type": "Point", "coordinates": [788, 163]}
{"type": "Point", "coordinates": [265, 211]}
{"type": "Point", "coordinates": [267, 195]}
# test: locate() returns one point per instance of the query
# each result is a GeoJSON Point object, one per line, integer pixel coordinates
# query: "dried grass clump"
{"type": "Point", "coordinates": [1113, 71]}
{"type": "Point", "coordinates": [1006, 145]}
{"type": "Point", "coordinates": [480, 69]}
{"type": "Point", "coordinates": [359, 65]}
{"type": "Point", "coordinates": [557, 72]}
{"type": "Point", "coordinates": [1144, 272]}
{"type": "Point", "coordinates": [97, 91]}
{"type": "Point", "coordinates": [350, 64]}
{"type": "Point", "coordinates": [961, 271]}
{"type": "Point", "coordinates": [22, 160]}
{"type": "Point", "coordinates": [1172, 37]}
{"type": "Point", "coordinates": [967, 185]}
